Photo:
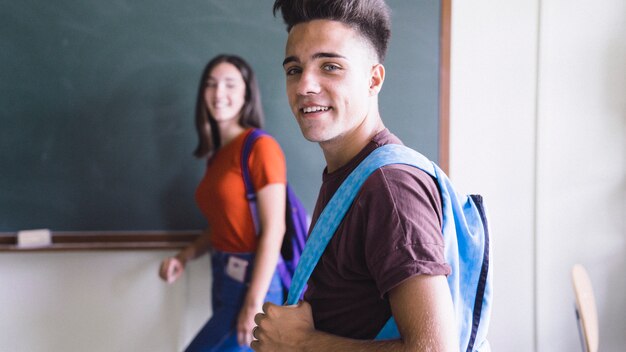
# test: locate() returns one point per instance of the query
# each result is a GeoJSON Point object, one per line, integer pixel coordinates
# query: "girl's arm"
{"type": "Point", "coordinates": [271, 201]}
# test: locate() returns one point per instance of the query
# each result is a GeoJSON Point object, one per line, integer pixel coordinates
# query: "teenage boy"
{"type": "Point", "coordinates": [386, 258]}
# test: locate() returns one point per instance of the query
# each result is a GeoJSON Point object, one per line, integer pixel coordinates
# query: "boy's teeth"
{"type": "Point", "coordinates": [315, 108]}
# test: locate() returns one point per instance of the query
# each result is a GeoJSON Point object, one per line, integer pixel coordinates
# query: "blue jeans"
{"type": "Point", "coordinates": [219, 333]}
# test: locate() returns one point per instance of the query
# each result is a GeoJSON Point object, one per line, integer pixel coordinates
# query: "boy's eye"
{"type": "Point", "coordinates": [330, 67]}
{"type": "Point", "coordinates": [292, 71]}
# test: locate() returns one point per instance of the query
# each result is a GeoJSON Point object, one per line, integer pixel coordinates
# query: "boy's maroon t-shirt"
{"type": "Point", "coordinates": [391, 232]}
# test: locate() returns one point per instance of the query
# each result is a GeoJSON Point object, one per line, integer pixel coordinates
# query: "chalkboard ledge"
{"type": "Point", "coordinates": [105, 240]}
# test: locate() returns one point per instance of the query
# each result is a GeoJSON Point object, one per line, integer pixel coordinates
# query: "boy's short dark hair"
{"type": "Point", "coordinates": [371, 18]}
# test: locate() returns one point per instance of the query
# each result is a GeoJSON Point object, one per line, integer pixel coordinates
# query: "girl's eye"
{"type": "Point", "coordinates": [211, 84]}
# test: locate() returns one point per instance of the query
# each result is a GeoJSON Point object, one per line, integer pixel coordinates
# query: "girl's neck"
{"type": "Point", "coordinates": [230, 131]}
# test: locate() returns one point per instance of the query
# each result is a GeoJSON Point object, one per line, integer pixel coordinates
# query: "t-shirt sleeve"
{"type": "Point", "coordinates": [403, 236]}
{"type": "Point", "coordinates": [267, 163]}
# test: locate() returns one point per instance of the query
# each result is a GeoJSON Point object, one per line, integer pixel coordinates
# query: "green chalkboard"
{"type": "Point", "coordinates": [97, 99]}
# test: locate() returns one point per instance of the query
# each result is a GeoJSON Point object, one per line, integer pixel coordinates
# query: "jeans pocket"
{"type": "Point", "coordinates": [231, 291]}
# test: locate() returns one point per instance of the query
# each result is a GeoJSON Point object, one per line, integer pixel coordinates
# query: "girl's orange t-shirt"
{"type": "Point", "coordinates": [221, 194]}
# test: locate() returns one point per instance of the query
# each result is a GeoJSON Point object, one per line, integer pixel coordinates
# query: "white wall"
{"type": "Point", "coordinates": [538, 122]}
{"type": "Point", "coordinates": [581, 166]}
{"type": "Point", "coordinates": [98, 301]}
{"type": "Point", "coordinates": [493, 69]}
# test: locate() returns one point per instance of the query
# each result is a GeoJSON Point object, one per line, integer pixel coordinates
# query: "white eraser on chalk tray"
{"type": "Point", "coordinates": [34, 238]}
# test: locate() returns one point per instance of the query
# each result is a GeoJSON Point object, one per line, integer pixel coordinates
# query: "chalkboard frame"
{"type": "Point", "coordinates": [168, 240]}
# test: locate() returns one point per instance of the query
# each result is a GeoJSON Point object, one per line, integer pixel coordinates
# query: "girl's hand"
{"type": "Point", "coordinates": [245, 323]}
{"type": "Point", "coordinates": [171, 269]}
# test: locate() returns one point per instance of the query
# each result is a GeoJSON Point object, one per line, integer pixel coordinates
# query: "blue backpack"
{"type": "Point", "coordinates": [296, 217]}
{"type": "Point", "coordinates": [466, 239]}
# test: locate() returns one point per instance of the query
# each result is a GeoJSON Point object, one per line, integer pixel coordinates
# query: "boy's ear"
{"type": "Point", "coordinates": [377, 77]}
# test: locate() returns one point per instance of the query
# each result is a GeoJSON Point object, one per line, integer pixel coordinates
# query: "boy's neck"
{"type": "Point", "coordinates": [339, 151]}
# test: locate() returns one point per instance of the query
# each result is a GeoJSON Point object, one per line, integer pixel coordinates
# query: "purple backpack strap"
{"type": "Point", "coordinates": [247, 179]}
{"type": "Point", "coordinates": [296, 217]}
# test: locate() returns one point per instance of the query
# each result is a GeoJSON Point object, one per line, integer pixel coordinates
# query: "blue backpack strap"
{"type": "Point", "coordinates": [483, 291]}
{"type": "Point", "coordinates": [335, 210]}
{"type": "Point", "coordinates": [245, 173]}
